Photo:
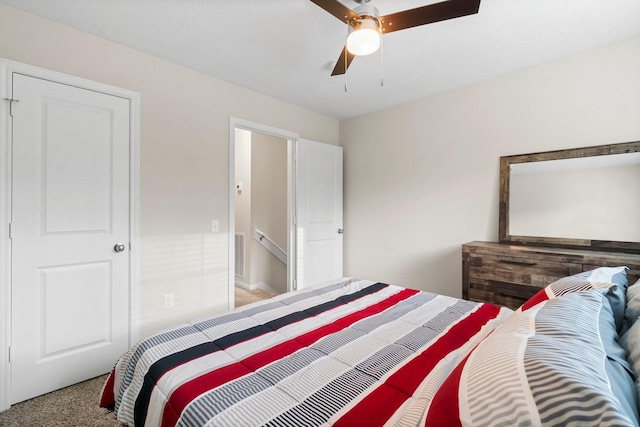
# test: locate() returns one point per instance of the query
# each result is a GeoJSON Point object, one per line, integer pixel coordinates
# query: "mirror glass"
{"type": "Point", "coordinates": [586, 198]}
{"type": "Point", "coordinates": [596, 198]}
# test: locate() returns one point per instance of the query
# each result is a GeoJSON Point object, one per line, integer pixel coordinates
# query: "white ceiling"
{"type": "Point", "coordinates": [284, 48]}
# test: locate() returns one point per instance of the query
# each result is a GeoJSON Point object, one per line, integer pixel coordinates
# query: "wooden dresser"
{"type": "Point", "coordinates": [508, 275]}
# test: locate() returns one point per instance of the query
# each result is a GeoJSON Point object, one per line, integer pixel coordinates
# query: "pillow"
{"type": "Point", "coordinates": [612, 278]}
{"type": "Point", "coordinates": [632, 310]}
{"type": "Point", "coordinates": [557, 363]}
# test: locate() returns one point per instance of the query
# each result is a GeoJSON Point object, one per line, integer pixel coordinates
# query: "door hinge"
{"type": "Point", "coordinates": [10, 233]}
{"type": "Point", "coordinates": [295, 285]}
{"type": "Point", "coordinates": [9, 354]}
{"type": "Point", "coordinates": [11, 101]}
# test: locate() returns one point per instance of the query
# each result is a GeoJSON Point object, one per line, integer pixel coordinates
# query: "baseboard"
{"type": "Point", "coordinates": [242, 285]}
{"type": "Point", "coordinates": [254, 286]}
{"type": "Point", "coordinates": [265, 287]}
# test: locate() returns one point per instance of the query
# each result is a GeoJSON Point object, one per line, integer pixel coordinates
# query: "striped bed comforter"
{"type": "Point", "coordinates": [349, 353]}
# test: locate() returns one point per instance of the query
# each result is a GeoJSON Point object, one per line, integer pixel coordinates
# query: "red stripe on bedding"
{"type": "Point", "coordinates": [379, 405]}
{"type": "Point", "coordinates": [108, 399]}
{"type": "Point", "coordinates": [445, 409]}
{"type": "Point", "coordinates": [540, 296]}
{"type": "Point", "coordinates": [187, 392]}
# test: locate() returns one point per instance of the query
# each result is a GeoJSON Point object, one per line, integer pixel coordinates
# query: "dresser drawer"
{"type": "Point", "coordinates": [508, 295]}
{"type": "Point", "coordinates": [494, 270]}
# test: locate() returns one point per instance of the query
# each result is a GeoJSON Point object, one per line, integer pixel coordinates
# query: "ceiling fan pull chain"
{"type": "Point", "coordinates": [346, 75]}
{"type": "Point", "coordinates": [381, 61]}
{"type": "Point", "coordinates": [346, 80]}
{"type": "Point", "coordinates": [346, 62]}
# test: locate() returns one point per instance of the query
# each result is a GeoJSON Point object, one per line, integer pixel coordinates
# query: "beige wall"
{"type": "Point", "coordinates": [422, 178]}
{"type": "Point", "coordinates": [184, 155]}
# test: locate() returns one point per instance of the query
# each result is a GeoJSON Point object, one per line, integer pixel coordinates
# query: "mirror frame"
{"type": "Point", "coordinates": [596, 245]}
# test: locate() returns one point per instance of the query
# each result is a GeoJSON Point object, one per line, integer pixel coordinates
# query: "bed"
{"type": "Point", "coordinates": [363, 353]}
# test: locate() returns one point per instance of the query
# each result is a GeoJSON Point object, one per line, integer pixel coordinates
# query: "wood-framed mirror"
{"type": "Point", "coordinates": [586, 198]}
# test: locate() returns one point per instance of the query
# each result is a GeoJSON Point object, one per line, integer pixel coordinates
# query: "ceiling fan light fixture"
{"type": "Point", "coordinates": [364, 36]}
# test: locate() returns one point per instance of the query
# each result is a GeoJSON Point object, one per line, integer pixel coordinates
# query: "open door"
{"type": "Point", "coordinates": [318, 227]}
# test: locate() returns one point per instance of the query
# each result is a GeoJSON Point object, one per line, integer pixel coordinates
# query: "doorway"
{"type": "Point", "coordinates": [261, 203]}
{"type": "Point", "coordinates": [241, 127]}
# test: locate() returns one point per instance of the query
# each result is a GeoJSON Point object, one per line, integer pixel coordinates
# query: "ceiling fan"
{"type": "Point", "coordinates": [366, 26]}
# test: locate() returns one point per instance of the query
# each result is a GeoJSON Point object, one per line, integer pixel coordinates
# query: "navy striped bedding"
{"type": "Point", "coordinates": [348, 353]}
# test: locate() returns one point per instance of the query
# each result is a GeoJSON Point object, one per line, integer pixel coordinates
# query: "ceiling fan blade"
{"type": "Point", "coordinates": [341, 65]}
{"type": "Point", "coordinates": [429, 14]}
{"type": "Point", "coordinates": [337, 9]}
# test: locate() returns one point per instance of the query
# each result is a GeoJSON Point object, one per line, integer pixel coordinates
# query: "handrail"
{"type": "Point", "coordinates": [271, 246]}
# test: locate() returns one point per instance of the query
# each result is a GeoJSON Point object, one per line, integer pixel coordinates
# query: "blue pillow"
{"type": "Point", "coordinates": [621, 375]}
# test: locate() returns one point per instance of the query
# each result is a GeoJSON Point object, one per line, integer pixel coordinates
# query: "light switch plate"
{"type": "Point", "coordinates": [215, 226]}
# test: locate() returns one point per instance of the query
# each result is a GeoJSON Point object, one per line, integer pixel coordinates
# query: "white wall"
{"type": "Point", "coordinates": [184, 155]}
{"type": "Point", "coordinates": [422, 178]}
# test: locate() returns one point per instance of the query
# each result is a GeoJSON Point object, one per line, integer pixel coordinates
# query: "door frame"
{"type": "Point", "coordinates": [7, 69]}
{"type": "Point", "coordinates": [291, 138]}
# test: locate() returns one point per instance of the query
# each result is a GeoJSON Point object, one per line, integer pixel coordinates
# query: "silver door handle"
{"type": "Point", "coordinates": [340, 231]}
{"type": "Point", "coordinates": [119, 247]}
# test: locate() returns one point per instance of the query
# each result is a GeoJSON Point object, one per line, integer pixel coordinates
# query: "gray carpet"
{"type": "Point", "coordinates": [77, 406]}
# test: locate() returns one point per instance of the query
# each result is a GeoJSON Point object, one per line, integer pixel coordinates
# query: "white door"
{"type": "Point", "coordinates": [70, 207]}
{"type": "Point", "coordinates": [318, 212]}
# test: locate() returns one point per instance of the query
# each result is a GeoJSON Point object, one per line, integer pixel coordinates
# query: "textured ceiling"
{"type": "Point", "coordinates": [284, 48]}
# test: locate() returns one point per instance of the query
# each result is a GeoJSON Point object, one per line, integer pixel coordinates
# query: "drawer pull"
{"type": "Point", "coordinates": [513, 295]}
{"type": "Point", "coordinates": [507, 261]}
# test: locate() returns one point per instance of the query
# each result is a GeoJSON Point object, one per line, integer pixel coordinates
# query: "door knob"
{"type": "Point", "coordinates": [340, 231]}
{"type": "Point", "coordinates": [119, 247]}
